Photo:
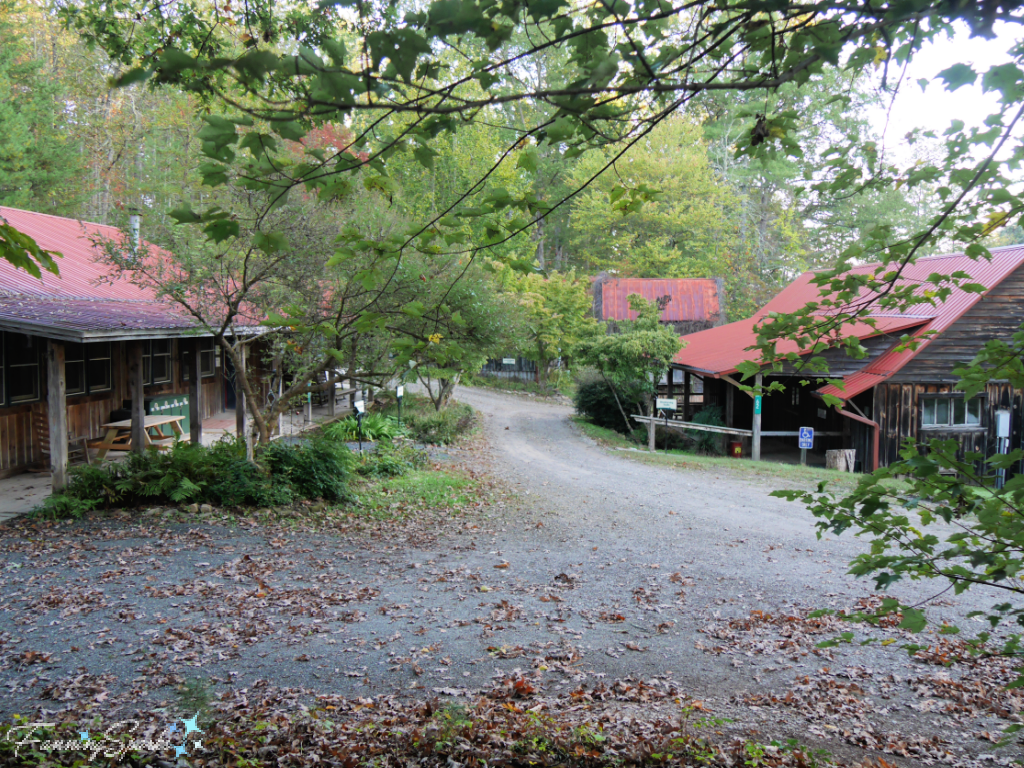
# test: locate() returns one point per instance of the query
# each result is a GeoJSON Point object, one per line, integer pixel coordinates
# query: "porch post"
{"type": "Point", "coordinates": [195, 392]}
{"type": "Point", "coordinates": [241, 421]}
{"type": "Point", "coordinates": [137, 388]}
{"type": "Point", "coordinates": [671, 389]}
{"type": "Point", "coordinates": [729, 395]}
{"type": "Point", "coordinates": [57, 411]}
{"type": "Point", "coordinates": [755, 447]}
{"type": "Point", "coordinates": [686, 395]}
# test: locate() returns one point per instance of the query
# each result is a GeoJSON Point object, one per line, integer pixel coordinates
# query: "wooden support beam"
{"type": "Point", "coordinates": [686, 396]}
{"type": "Point", "coordinates": [755, 441]}
{"type": "Point", "coordinates": [687, 425]}
{"type": "Point", "coordinates": [795, 433]}
{"type": "Point", "coordinates": [195, 391]}
{"type": "Point", "coordinates": [137, 388]}
{"type": "Point", "coordinates": [241, 417]}
{"type": "Point", "coordinates": [57, 412]}
{"type": "Point", "coordinates": [735, 383]}
{"type": "Point", "coordinates": [730, 398]}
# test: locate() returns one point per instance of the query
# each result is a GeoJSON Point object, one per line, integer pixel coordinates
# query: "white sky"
{"type": "Point", "coordinates": [935, 107]}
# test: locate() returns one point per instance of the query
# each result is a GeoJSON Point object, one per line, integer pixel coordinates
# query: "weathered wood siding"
{"type": "Point", "coordinates": [18, 445]}
{"type": "Point", "coordinates": [841, 364]}
{"type": "Point", "coordinates": [997, 315]}
{"type": "Point", "coordinates": [897, 410]}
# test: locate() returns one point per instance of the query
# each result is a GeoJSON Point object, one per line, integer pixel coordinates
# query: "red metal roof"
{"type": "Point", "coordinates": [691, 298]}
{"type": "Point", "coordinates": [80, 272]}
{"type": "Point", "coordinates": [82, 301]}
{"type": "Point", "coordinates": [718, 350]}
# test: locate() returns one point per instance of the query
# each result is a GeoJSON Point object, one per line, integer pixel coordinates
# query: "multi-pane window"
{"type": "Point", "coordinates": [98, 370]}
{"type": "Point", "coordinates": [87, 367]}
{"type": "Point", "coordinates": [74, 369]}
{"type": "Point", "coordinates": [206, 359]}
{"type": "Point", "coordinates": [156, 361]}
{"type": "Point", "coordinates": [950, 412]}
{"type": "Point", "coordinates": [22, 367]}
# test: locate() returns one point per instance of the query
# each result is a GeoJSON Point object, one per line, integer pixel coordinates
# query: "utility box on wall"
{"type": "Point", "coordinates": [169, 405]}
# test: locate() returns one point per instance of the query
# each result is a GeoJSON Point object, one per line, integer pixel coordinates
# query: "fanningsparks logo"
{"type": "Point", "coordinates": [118, 741]}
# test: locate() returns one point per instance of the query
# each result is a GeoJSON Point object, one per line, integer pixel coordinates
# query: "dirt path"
{"type": "Point", "coordinates": [605, 568]}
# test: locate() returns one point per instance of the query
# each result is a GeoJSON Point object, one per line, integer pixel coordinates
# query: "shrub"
{"type": "Point", "coordinates": [707, 443]}
{"type": "Point", "coordinates": [376, 426]}
{"type": "Point", "coordinates": [391, 460]}
{"type": "Point", "coordinates": [595, 401]}
{"type": "Point", "coordinates": [441, 427]}
{"type": "Point", "coordinates": [218, 475]}
{"type": "Point", "coordinates": [317, 468]}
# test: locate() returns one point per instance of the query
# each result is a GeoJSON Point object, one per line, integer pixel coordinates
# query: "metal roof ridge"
{"type": "Point", "coordinates": [55, 216]}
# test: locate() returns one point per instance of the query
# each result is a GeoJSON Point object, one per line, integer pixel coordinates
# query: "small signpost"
{"type": "Point", "coordinates": [665, 404]}
{"type": "Point", "coordinates": [757, 404]}
{"type": "Point", "coordinates": [360, 410]}
{"type": "Point", "coordinates": [805, 441]}
{"type": "Point", "coordinates": [400, 393]}
{"type": "Point", "coordinates": [508, 361]}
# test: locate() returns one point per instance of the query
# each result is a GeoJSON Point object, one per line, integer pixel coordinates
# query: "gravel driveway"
{"type": "Point", "coordinates": [601, 568]}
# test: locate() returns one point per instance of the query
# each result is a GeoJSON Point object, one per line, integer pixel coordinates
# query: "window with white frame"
{"type": "Point", "coordinates": [937, 412]}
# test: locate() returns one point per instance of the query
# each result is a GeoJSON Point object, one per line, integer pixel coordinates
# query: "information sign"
{"type": "Point", "coordinates": [806, 439]}
{"type": "Point", "coordinates": [666, 404]}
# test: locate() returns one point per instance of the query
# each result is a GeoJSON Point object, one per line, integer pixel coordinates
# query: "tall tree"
{"type": "Point", "coordinates": [39, 158]}
{"type": "Point", "coordinates": [555, 314]}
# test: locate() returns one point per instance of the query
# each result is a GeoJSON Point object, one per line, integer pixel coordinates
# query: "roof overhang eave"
{"type": "Point", "coordinates": [78, 335]}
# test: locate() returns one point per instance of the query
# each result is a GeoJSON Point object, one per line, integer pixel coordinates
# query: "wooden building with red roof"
{"type": "Point", "coordinates": [687, 304]}
{"type": "Point", "coordinates": [892, 394]}
{"type": "Point", "coordinates": [71, 345]}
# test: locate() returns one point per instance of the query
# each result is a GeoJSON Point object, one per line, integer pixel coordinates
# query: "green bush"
{"type": "Point", "coordinates": [440, 427]}
{"type": "Point", "coordinates": [595, 401]}
{"type": "Point", "coordinates": [390, 460]}
{"type": "Point", "coordinates": [317, 469]}
{"type": "Point", "coordinates": [707, 443]}
{"type": "Point", "coordinates": [376, 426]}
{"type": "Point", "coordinates": [218, 475]}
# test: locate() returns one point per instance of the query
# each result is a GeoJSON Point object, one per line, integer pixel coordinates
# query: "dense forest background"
{"type": "Point", "coordinates": [73, 145]}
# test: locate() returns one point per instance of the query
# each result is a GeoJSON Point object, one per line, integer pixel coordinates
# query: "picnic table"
{"type": "Point", "coordinates": [118, 436]}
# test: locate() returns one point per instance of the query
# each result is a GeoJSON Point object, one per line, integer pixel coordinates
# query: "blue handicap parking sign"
{"type": "Point", "coordinates": [806, 439]}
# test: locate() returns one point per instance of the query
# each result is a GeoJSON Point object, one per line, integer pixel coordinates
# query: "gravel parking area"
{"type": "Point", "coordinates": [594, 567]}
